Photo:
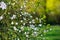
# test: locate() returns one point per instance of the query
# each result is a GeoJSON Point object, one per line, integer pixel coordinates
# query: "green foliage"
{"type": "Point", "coordinates": [22, 20]}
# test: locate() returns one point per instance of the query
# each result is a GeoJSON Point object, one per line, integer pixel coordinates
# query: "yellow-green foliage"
{"type": "Point", "coordinates": [53, 7]}
{"type": "Point", "coordinates": [52, 4]}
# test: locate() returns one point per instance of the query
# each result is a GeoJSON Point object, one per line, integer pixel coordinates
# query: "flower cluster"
{"type": "Point", "coordinates": [20, 24]}
{"type": "Point", "coordinates": [3, 5]}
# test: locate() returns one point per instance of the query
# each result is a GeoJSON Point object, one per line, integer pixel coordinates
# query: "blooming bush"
{"type": "Point", "coordinates": [22, 20]}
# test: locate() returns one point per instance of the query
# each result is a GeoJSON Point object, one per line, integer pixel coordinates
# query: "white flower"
{"type": "Point", "coordinates": [15, 28]}
{"type": "Point", "coordinates": [33, 21]}
{"type": "Point", "coordinates": [43, 38]}
{"type": "Point", "coordinates": [30, 16]}
{"type": "Point", "coordinates": [24, 18]}
{"type": "Point", "coordinates": [22, 28]}
{"type": "Point", "coordinates": [12, 22]}
{"type": "Point", "coordinates": [19, 30]}
{"type": "Point", "coordinates": [46, 31]}
{"type": "Point", "coordinates": [30, 22]}
{"type": "Point", "coordinates": [35, 29]}
{"type": "Point", "coordinates": [3, 5]}
{"type": "Point", "coordinates": [50, 29]}
{"type": "Point", "coordinates": [24, 5]}
{"type": "Point", "coordinates": [34, 33]}
{"type": "Point", "coordinates": [1, 17]}
{"type": "Point", "coordinates": [41, 35]}
{"type": "Point", "coordinates": [9, 3]}
{"type": "Point", "coordinates": [21, 12]}
{"type": "Point", "coordinates": [25, 13]}
{"type": "Point", "coordinates": [27, 35]}
{"type": "Point", "coordinates": [36, 18]}
{"type": "Point", "coordinates": [40, 20]}
{"type": "Point", "coordinates": [16, 23]}
{"type": "Point", "coordinates": [18, 39]}
{"type": "Point", "coordinates": [26, 1]}
{"type": "Point", "coordinates": [32, 26]}
{"type": "Point", "coordinates": [8, 12]}
{"type": "Point", "coordinates": [20, 15]}
{"type": "Point", "coordinates": [13, 17]}
{"type": "Point", "coordinates": [21, 21]}
{"type": "Point", "coordinates": [13, 4]}
{"type": "Point", "coordinates": [40, 25]}
{"type": "Point", "coordinates": [21, 7]}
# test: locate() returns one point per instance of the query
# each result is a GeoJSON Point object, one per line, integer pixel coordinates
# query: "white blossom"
{"type": "Point", "coordinates": [16, 23]}
{"type": "Point", "coordinates": [26, 1]}
{"type": "Point", "coordinates": [12, 22]}
{"type": "Point", "coordinates": [24, 5]}
{"type": "Point", "coordinates": [22, 28]}
{"type": "Point", "coordinates": [35, 29]}
{"type": "Point", "coordinates": [30, 22]}
{"type": "Point", "coordinates": [8, 12]}
{"type": "Point", "coordinates": [45, 31]}
{"type": "Point", "coordinates": [13, 17]}
{"type": "Point", "coordinates": [9, 3]}
{"type": "Point", "coordinates": [25, 13]}
{"type": "Point", "coordinates": [41, 35]}
{"type": "Point", "coordinates": [21, 7]}
{"type": "Point", "coordinates": [21, 21]}
{"type": "Point", "coordinates": [13, 4]}
{"type": "Point", "coordinates": [32, 26]}
{"type": "Point", "coordinates": [20, 15]}
{"type": "Point", "coordinates": [43, 38]}
{"type": "Point", "coordinates": [3, 5]}
{"type": "Point", "coordinates": [40, 20]}
{"type": "Point", "coordinates": [40, 25]}
{"type": "Point", "coordinates": [19, 30]}
{"type": "Point", "coordinates": [33, 20]}
{"type": "Point", "coordinates": [36, 18]}
{"type": "Point", "coordinates": [50, 29]}
{"type": "Point", "coordinates": [15, 28]}
{"type": "Point", "coordinates": [1, 17]}
{"type": "Point", "coordinates": [30, 16]}
{"type": "Point", "coordinates": [34, 33]}
{"type": "Point", "coordinates": [24, 18]}
{"type": "Point", "coordinates": [18, 39]}
{"type": "Point", "coordinates": [21, 12]}
{"type": "Point", "coordinates": [27, 35]}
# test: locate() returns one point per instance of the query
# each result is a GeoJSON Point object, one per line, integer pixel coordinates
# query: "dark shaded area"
{"type": "Point", "coordinates": [52, 17]}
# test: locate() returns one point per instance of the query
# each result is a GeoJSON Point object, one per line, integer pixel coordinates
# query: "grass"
{"type": "Point", "coordinates": [54, 34]}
